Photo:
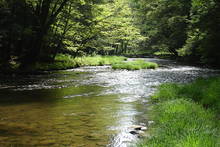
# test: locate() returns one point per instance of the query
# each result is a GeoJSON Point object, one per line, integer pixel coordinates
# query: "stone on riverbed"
{"type": "Point", "coordinates": [134, 132]}
{"type": "Point", "coordinates": [138, 129]}
{"type": "Point", "coordinates": [144, 128]}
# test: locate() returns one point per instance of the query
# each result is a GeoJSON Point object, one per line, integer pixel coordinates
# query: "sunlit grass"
{"type": "Point", "coordinates": [204, 91]}
{"type": "Point", "coordinates": [135, 65]}
{"type": "Point", "coordinates": [99, 60]}
{"type": "Point", "coordinates": [186, 115]}
{"type": "Point", "coordinates": [159, 53]}
{"type": "Point", "coordinates": [182, 123]}
{"type": "Point", "coordinates": [66, 62]}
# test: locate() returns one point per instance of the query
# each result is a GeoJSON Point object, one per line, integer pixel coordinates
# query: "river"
{"type": "Point", "coordinates": [83, 107]}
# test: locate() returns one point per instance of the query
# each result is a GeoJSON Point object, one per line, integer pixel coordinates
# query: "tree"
{"type": "Point", "coordinates": [163, 22]}
{"type": "Point", "coordinates": [203, 32]}
{"type": "Point", "coordinates": [118, 33]}
{"type": "Point", "coordinates": [25, 28]}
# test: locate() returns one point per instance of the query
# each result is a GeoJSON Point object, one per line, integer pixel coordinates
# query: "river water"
{"type": "Point", "coordinates": [83, 107]}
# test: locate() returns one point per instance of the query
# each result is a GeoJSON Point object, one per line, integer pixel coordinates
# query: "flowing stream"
{"type": "Point", "coordinates": [83, 107]}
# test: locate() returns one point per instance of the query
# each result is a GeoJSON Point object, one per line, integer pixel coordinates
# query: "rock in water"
{"type": "Point", "coordinates": [137, 127]}
{"type": "Point", "coordinates": [144, 128]}
{"type": "Point", "coordinates": [133, 132]}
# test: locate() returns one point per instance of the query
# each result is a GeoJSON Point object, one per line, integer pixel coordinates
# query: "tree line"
{"type": "Point", "coordinates": [37, 30]}
{"type": "Point", "coordinates": [188, 28]}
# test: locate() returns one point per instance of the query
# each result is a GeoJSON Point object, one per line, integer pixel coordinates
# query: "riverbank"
{"type": "Point", "coordinates": [117, 62]}
{"type": "Point", "coordinates": [186, 115]}
{"type": "Point", "coordinates": [188, 60]}
{"type": "Point", "coordinates": [67, 62]}
{"type": "Point", "coordinates": [62, 62]}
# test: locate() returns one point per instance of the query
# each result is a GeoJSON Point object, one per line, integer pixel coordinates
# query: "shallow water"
{"type": "Point", "coordinates": [83, 107]}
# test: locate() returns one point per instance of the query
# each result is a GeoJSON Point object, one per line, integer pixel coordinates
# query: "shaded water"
{"type": "Point", "coordinates": [84, 107]}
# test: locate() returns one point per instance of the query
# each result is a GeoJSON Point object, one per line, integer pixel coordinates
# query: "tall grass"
{"type": "Point", "coordinates": [182, 123]}
{"type": "Point", "coordinates": [181, 120]}
{"type": "Point", "coordinates": [66, 62]}
{"type": "Point", "coordinates": [99, 60]}
{"type": "Point", "coordinates": [135, 65]}
{"type": "Point", "coordinates": [204, 91]}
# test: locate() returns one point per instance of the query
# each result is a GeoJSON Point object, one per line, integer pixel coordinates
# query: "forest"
{"type": "Point", "coordinates": [116, 73]}
{"type": "Point", "coordinates": [37, 30]}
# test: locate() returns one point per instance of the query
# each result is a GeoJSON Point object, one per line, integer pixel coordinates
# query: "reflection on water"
{"type": "Point", "coordinates": [89, 106]}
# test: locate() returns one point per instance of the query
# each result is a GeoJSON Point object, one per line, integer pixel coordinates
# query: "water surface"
{"type": "Point", "coordinates": [83, 107]}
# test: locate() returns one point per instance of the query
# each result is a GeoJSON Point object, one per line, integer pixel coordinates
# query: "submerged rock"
{"type": "Point", "coordinates": [133, 132]}
{"type": "Point", "coordinates": [138, 130]}
{"type": "Point", "coordinates": [139, 127]}
{"type": "Point", "coordinates": [144, 128]}
{"type": "Point", "coordinates": [141, 132]}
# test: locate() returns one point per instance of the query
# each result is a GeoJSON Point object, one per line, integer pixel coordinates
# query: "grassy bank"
{"type": "Point", "coordinates": [134, 65]}
{"type": "Point", "coordinates": [186, 115]}
{"type": "Point", "coordinates": [67, 62]}
{"type": "Point", "coordinates": [63, 61]}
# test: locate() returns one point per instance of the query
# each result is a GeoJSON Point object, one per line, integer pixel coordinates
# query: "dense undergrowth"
{"type": "Point", "coordinates": [186, 115]}
{"type": "Point", "coordinates": [135, 65]}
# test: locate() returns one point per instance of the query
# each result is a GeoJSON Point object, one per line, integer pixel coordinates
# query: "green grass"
{"type": "Point", "coordinates": [161, 53]}
{"type": "Point", "coordinates": [183, 123]}
{"type": "Point", "coordinates": [66, 62]}
{"type": "Point", "coordinates": [181, 120]}
{"type": "Point", "coordinates": [203, 91]}
{"type": "Point", "coordinates": [63, 61]}
{"type": "Point", "coordinates": [117, 62]}
{"type": "Point", "coordinates": [135, 65]}
{"type": "Point", "coordinates": [99, 60]}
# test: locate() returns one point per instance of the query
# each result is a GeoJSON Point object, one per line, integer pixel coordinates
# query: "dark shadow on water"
{"type": "Point", "coordinates": [11, 96]}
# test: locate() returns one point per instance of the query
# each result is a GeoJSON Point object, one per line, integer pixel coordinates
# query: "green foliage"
{"type": "Point", "coordinates": [203, 31]}
{"type": "Point", "coordinates": [164, 23]}
{"type": "Point", "coordinates": [182, 123]}
{"type": "Point", "coordinates": [166, 92]}
{"type": "Point", "coordinates": [162, 53]}
{"type": "Point", "coordinates": [67, 62]}
{"type": "Point", "coordinates": [135, 65]}
{"type": "Point", "coordinates": [102, 60]}
{"type": "Point", "coordinates": [36, 30]}
{"type": "Point", "coordinates": [187, 28]}
{"type": "Point", "coordinates": [26, 29]}
{"type": "Point", "coordinates": [179, 121]}
{"type": "Point", "coordinates": [204, 91]}
{"type": "Point", "coordinates": [118, 32]}
{"type": "Point", "coordinates": [100, 27]}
